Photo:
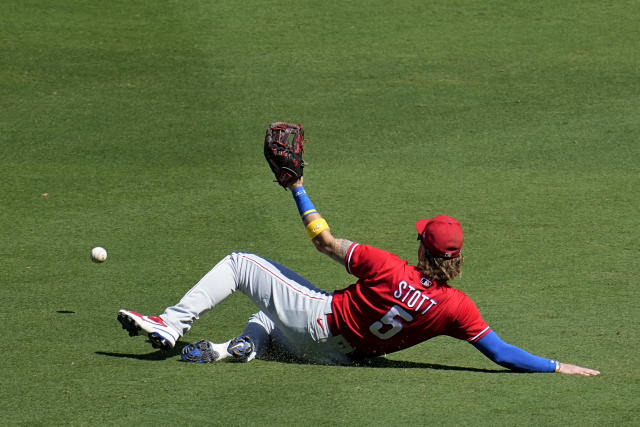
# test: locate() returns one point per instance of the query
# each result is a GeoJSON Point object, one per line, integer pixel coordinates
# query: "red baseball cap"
{"type": "Point", "coordinates": [442, 235]}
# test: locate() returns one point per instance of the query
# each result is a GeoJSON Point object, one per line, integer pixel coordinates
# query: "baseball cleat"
{"type": "Point", "coordinates": [160, 334]}
{"type": "Point", "coordinates": [239, 349]}
{"type": "Point", "coordinates": [200, 352]}
{"type": "Point", "coordinates": [242, 349]}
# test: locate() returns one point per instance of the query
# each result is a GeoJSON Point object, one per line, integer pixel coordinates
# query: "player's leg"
{"type": "Point", "coordinates": [297, 308]}
{"type": "Point", "coordinates": [284, 296]}
{"type": "Point", "coordinates": [230, 274]}
{"type": "Point", "coordinates": [164, 330]}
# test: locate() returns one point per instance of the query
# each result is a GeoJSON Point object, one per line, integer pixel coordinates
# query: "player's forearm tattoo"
{"type": "Point", "coordinates": [340, 248]}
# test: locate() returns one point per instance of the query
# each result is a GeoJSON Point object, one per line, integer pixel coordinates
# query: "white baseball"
{"type": "Point", "coordinates": [98, 254]}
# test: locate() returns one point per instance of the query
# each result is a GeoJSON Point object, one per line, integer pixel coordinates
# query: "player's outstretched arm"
{"type": "Point", "coordinates": [317, 227]}
{"type": "Point", "coordinates": [514, 358]}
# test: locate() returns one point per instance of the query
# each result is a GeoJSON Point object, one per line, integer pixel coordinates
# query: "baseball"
{"type": "Point", "coordinates": [98, 254]}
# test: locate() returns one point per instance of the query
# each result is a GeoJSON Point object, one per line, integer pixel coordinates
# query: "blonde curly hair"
{"type": "Point", "coordinates": [439, 269]}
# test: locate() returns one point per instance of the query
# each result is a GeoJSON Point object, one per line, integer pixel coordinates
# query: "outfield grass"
{"type": "Point", "coordinates": [137, 126]}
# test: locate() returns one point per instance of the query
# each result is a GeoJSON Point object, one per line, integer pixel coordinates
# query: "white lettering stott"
{"type": "Point", "coordinates": [417, 299]}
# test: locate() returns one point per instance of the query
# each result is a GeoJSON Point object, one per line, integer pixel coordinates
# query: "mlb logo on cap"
{"type": "Point", "coordinates": [441, 235]}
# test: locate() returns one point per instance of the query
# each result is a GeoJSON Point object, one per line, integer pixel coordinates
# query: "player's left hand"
{"type": "Point", "coordinates": [568, 368]}
{"type": "Point", "coordinates": [296, 184]}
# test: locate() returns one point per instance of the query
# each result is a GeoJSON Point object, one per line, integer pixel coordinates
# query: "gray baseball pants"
{"type": "Point", "coordinates": [293, 312]}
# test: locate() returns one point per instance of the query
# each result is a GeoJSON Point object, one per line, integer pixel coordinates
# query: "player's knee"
{"type": "Point", "coordinates": [240, 254]}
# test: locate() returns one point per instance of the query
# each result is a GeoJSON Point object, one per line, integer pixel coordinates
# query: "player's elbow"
{"type": "Point", "coordinates": [324, 242]}
{"type": "Point", "coordinates": [321, 245]}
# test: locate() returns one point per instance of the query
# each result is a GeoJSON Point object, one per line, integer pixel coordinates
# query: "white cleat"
{"type": "Point", "coordinates": [160, 334]}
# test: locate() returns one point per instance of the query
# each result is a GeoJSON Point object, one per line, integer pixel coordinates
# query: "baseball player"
{"type": "Point", "coordinates": [392, 306]}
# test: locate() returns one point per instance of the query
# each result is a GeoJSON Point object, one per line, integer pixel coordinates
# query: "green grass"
{"type": "Point", "coordinates": [143, 123]}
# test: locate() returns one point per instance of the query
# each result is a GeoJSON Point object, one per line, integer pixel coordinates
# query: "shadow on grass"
{"type": "Point", "coordinates": [377, 362]}
{"type": "Point", "coordinates": [381, 362]}
{"type": "Point", "coordinates": [153, 356]}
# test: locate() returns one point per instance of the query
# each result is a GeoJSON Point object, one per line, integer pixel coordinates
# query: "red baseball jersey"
{"type": "Point", "coordinates": [392, 306]}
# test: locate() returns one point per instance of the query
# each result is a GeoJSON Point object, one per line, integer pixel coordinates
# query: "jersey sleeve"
{"type": "Point", "coordinates": [366, 262]}
{"type": "Point", "coordinates": [468, 324]}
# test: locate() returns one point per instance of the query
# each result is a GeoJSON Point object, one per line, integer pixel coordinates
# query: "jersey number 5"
{"type": "Point", "coordinates": [390, 323]}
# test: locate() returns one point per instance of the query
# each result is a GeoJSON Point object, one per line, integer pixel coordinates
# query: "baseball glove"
{"type": "Point", "coordinates": [283, 148]}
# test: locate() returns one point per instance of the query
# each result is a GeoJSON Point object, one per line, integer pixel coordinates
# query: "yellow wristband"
{"type": "Point", "coordinates": [557, 366]}
{"type": "Point", "coordinates": [316, 227]}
